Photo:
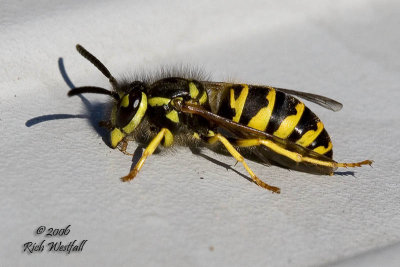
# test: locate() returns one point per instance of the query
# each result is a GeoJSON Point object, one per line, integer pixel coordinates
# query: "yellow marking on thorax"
{"type": "Point", "coordinates": [173, 116]}
{"type": "Point", "coordinates": [210, 133]}
{"type": "Point", "coordinates": [238, 104]}
{"type": "Point", "coordinates": [261, 120]}
{"type": "Point", "coordinates": [322, 150]}
{"type": "Point", "coordinates": [203, 98]}
{"type": "Point", "coordinates": [193, 91]}
{"type": "Point", "coordinates": [125, 101]}
{"type": "Point", "coordinates": [196, 136]}
{"type": "Point", "coordinates": [310, 135]}
{"type": "Point", "coordinates": [289, 123]}
{"type": "Point", "coordinates": [159, 101]}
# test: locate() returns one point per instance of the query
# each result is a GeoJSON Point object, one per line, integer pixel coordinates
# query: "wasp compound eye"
{"type": "Point", "coordinates": [127, 108]}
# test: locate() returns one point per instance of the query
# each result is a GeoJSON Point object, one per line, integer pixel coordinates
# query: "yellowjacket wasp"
{"type": "Point", "coordinates": [262, 122]}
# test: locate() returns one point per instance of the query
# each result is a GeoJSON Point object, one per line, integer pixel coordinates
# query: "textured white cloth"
{"type": "Point", "coordinates": [182, 209]}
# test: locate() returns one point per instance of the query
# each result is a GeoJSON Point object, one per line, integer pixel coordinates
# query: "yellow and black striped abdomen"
{"type": "Point", "coordinates": [277, 113]}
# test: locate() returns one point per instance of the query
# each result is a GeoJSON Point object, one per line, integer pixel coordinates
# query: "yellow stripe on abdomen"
{"type": "Point", "coordinates": [322, 150]}
{"type": "Point", "coordinates": [310, 135]}
{"type": "Point", "coordinates": [238, 104]}
{"type": "Point", "coordinates": [261, 119]}
{"type": "Point", "coordinates": [289, 123]}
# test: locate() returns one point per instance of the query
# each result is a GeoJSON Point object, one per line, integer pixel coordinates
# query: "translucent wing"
{"type": "Point", "coordinates": [323, 101]}
{"type": "Point", "coordinates": [265, 154]}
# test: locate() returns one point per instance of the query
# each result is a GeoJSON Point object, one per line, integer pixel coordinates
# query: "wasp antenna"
{"type": "Point", "coordinates": [93, 90]}
{"type": "Point", "coordinates": [100, 66]}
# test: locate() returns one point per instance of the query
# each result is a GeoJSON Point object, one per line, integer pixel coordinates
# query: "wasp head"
{"type": "Point", "coordinates": [128, 111]}
{"type": "Point", "coordinates": [130, 100]}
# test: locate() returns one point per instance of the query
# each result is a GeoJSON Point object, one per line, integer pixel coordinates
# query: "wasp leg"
{"type": "Point", "coordinates": [239, 158]}
{"type": "Point", "coordinates": [122, 146]}
{"type": "Point", "coordinates": [296, 156]}
{"type": "Point", "coordinates": [149, 150]}
{"type": "Point", "coordinates": [355, 164]}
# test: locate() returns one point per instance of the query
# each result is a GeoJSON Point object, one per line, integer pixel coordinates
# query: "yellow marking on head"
{"type": "Point", "coordinates": [238, 104]}
{"type": "Point", "coordinates": [289, 123]}
{"type": "Point", "coordinates": [158, 101]}
{"type": "Point", "coordinates": [310, 135]}
{"type": "Point", "coordinates": [261, 120]}
{"type": "Point", "coordinates": [116, 137]}
{"type": "Point", "coordinates": [168, 138]}
{"type": "Point", "coordinates": [173, 116]}
{"type": "Point", "coordinates": [194, 92]}
{"type": "Point", "coordinates": [210, 133]}
{"type": "Point", "coordinates": [125, 101]}
{"type": "Point", "coordinates": [196, 136]}
{"type": "Point", "coordinates": [203, 98]}
{"type": "Point", "coordinates": [322, 150]}
{"type": "Point", "coordinates": [138, 116]}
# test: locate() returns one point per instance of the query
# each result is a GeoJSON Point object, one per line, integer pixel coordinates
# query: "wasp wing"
{"type": "Point", "coordinates": [323, 101]}
{"type": "Point", "coordinates": [265, 154]}
{"type": "Point", "coordinates": [213, 88]}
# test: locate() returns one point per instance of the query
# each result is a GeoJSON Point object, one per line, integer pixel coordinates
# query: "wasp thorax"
{"type": "Point", "coordinates": [137, 86]}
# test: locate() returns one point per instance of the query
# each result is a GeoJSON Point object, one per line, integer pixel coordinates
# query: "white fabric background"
{"type": "Point", "coordinates": [56, 172]}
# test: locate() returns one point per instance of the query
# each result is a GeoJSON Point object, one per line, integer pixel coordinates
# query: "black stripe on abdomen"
{"type": "Point", "coordinates": [285, 105]}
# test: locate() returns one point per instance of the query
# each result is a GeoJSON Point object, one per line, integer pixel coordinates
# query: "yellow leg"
{"type": "Point", "coordinates": [238, 157]}
{"type": "Point", "coordinates": [296, 156]}
{"type": "Point", "coordinates": [147, 152]}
